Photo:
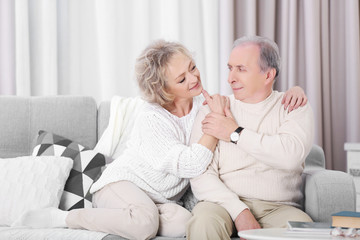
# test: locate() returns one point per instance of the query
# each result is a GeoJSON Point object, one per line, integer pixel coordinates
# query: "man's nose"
{"type": "Point", "coordinates": [231, 77]}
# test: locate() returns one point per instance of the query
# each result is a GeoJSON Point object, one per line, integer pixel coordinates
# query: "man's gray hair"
{"type": "Point", "coordinates": [269, 51]}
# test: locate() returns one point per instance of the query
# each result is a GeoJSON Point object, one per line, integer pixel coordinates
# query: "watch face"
{"type": "Point", "coordinates": [234, 137]}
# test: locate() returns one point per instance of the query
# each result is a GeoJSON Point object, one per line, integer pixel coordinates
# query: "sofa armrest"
{"type": "Point", "coordinates": [328, 192]}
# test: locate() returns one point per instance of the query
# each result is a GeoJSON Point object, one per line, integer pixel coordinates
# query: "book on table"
{"type": "Point", "coordinates": [309, 227]}
{"type": "Point", "coordinates": [346, 219]}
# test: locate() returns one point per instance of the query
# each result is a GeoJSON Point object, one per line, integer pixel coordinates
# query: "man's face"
{"type": "Point", "coordinates": [245, 76]}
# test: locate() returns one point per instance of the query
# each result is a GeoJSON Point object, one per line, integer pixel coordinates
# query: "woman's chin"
{"type": "Point", "coordinates": [198, 91]}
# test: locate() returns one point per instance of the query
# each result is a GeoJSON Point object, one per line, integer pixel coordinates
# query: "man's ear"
{"type": "Point", "coordinates": [270, 75]}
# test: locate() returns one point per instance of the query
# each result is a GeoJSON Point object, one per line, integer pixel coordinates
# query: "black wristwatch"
{"type": "Point", "coordinates": [234, 136]}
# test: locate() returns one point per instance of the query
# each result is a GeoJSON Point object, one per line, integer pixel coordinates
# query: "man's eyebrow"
{"type": "Point", "coordinates": [237, 66]}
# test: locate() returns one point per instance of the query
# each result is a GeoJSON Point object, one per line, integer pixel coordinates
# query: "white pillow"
{"type": "Point", "coordinates": [28, 183]}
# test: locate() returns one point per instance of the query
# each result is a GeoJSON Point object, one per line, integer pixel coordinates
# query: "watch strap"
{"type": "Point", "coordinates": [239, 129]}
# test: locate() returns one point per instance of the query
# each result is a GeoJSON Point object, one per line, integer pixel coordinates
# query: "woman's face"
{"type": "Point", "coordinates": [183, 78]}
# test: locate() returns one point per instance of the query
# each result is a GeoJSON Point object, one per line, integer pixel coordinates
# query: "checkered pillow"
{"type": "Point", "coordinates": [86, 168]}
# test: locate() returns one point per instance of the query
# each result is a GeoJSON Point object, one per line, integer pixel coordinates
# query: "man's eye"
{"type": "Point", "coordinates": [193, 68]}
{"type": "Point", "coordinates": [182, 81]}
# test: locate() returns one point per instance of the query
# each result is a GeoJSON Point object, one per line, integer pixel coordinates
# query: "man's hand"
{"type": "Point", "coordinates": [246, 221]}
{"type": "Point", "coordinates": [216, 103]}
{"type": "Point", "coordinates": [219, 126]}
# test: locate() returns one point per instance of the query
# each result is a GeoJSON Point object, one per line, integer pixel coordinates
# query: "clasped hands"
{"type": "Point", "coordinates": [220, 122]}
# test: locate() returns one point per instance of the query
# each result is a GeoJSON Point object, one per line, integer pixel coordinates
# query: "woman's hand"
{"type": "Point", "coordinates": [216, 103]}
{"type": "Point", "coordinates": [293, 98]}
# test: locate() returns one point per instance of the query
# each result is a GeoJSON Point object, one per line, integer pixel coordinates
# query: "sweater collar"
{"type": "Point", "coordinates": [254, 106]}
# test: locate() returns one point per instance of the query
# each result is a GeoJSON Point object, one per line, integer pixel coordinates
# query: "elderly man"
{"type": "Point", "coordinates": [255, 176]}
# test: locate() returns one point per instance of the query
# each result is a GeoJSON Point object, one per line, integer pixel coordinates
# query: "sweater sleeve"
{"type": "Point", "coordinates": [287, 148]}
{"type": "Point", "coordinates": [161, 145]}
{"type": "Point", "coordinates": [208, 186]}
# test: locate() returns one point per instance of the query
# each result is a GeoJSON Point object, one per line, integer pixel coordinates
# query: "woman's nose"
{"type": "Point", "coordinates": [193, 77]}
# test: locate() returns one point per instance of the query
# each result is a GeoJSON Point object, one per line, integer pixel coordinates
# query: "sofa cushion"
{"type": "Point", "coordinates": [29, 183]}
{"type": "Point", "coordinates": [86, 169]}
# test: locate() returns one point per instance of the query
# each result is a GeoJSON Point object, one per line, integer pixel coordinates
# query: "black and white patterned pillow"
{"type": "Point", "coordinates": [86, 168]}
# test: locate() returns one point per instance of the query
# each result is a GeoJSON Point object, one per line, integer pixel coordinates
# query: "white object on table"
{"type": "Point", "coordinates": [283, 233]}
{"type": "Point", "coordinates": [353, 167]}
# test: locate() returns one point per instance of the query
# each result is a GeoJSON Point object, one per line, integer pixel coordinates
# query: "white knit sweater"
{"type": "Point", "coordinates": [267, 161]}
{"type": "Point", "coordinates": [158, 158]}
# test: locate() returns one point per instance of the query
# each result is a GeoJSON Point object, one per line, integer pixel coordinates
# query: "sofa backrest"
{"type": "Point", "coordinates": [316, 158]}
{"type": "Point", "coordinates": [103, 117]}
{"type": "Point", "coordinates": [73, 117]}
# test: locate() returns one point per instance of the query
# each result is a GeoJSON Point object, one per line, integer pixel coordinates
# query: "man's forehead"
{"type": "Point", "coordinates": [245, 47]}
{"type": "Point", "coordinates": [244, 52]}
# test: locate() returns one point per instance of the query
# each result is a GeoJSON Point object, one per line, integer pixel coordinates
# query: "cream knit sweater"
{"type": "Point", "coordinates": [267, 161]}
{"type": "Point", "coordinates": [158, 158]}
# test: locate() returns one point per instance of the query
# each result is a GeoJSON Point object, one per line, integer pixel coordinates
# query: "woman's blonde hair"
{"type": "Point", "coordinates": [151, 67]}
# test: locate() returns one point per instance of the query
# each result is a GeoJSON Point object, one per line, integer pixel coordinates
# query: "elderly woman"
{"type": "Point", "coordinates": [136, 196]}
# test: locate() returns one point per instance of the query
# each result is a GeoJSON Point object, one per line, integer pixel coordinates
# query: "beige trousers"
{"type": "Point", "coordinates": [123, 209]}
{"type": "Point", "coordinates": [211, 221]}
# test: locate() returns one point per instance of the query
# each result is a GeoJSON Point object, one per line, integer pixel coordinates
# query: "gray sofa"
{"type": "Point", "coordinates": [82, 120]}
